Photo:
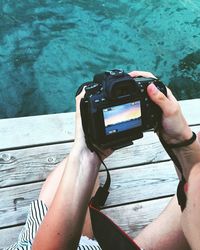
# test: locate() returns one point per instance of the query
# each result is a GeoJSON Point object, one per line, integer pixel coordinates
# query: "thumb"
{"type": "Point", "coordinates": [158, 97]}
{"type": "Point", "coordinates": [78, 101]}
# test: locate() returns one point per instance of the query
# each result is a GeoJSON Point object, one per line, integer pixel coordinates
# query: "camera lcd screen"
{"type": "Point", "coordinates": [122, 117]}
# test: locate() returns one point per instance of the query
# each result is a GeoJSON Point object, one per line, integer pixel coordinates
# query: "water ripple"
{"type": "Point", "coordinates": [48, 49]}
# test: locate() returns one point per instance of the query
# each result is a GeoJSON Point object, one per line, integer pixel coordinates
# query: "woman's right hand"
{"type": "Point", "coordinates": [174, 126]}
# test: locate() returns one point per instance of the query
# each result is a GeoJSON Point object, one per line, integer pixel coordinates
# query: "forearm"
{"type": "Point", "coordinates": [62, 226]}
{"type": "Point", "coordinates": [188, 156]}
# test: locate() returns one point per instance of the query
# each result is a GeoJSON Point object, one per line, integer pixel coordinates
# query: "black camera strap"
{"type": "Point", "coordinates": [108, 234]}
{"type": "Point", "coordinates": [180, 189]}
{"type": "Point", "coordinates": [103, 191]}
{"type": "Point", "coordinates": [181, 196]}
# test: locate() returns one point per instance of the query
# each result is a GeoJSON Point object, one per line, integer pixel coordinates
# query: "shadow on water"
{"type": "Point", "coordinates": [26, 27]}
{"type": "Point", "coordinates": [185, 83]}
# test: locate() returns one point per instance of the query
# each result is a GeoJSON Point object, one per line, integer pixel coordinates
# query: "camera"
{"type": "Point", "coordinates": [116, 109]}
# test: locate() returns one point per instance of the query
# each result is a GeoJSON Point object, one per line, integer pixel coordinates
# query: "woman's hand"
{"type": "Point", "coordinates": [80, 137]}
{"type": "Point", "coordinates": [174, 126]}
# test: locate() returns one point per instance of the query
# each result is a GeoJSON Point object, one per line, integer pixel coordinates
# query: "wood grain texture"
{"type": "Point", "coordinates": [9, 236]}
{"type": "Point", "coordinates": [131, 218]}
{"type": "Point", "coordinates": [44, 129]}
{"type": "Point", "coordinates": [128, 185]}
{"type": "Point", "coordinates": [35, 130]}
{"type": "Point", "coordinates": [15, 202]}
{"type": "Point", "coordinates": [34, 164]}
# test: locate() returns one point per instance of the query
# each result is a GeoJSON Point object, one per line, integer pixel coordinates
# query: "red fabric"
{"type": "Point", "coordinates": [186, 187]}
{"type": "Point", "coordinates": [108, 234]}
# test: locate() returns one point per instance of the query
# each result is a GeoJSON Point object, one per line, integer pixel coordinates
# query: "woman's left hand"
{"type": "Point", "coordinates": [80, 142]}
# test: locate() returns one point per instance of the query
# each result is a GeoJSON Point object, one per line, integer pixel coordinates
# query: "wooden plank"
{"type": "Point", "coordinates": [34, 130]}
{"type": "Point", "coordinates": [191, 110]}
{"type": "Point", "coordinates": [141, 183]}
{"type": "Point", "coordinates": [29, 165]}
{"type": "Point", "coordinates": [46, 129]}
{"type": "Point", "coordinates": [9, 236]}
{"type": "Point", "coordinates": [132, 218]}
{"type": "Point", "coordinates": [34, 164]}
{"type": "Point", "coordinates": [15, 202]}
{"type": "Point", "coordinates": [128, 185]}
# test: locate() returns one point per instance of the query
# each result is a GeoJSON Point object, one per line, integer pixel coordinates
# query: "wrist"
{"type": "Point", "coordinates": [183, 143]}
{"type": "Point", "coordinates": [185, 135]}
{"type": "Point", "coordinates": [180, 136]}
{"type": "Point", "coordinates": [85, 156]}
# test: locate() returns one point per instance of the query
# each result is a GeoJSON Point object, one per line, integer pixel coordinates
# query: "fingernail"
{"type": "Point", "coordinates": [152, 88]}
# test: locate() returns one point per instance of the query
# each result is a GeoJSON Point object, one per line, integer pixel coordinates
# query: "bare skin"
{"type": "Point", "coordinates": [50, 187]}
{"type": "Point", "coordinates": [63, 224]}
{"type": "Point", "coordinates": [190, 218]}
{"type": "Point", "coordinates": [168, 230]}
{"type": "Point", "coordinates": [69, 188]}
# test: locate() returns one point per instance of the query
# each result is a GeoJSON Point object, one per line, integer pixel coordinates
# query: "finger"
{"type": "Point", "coordinates": [79, 129]}
{"type": "Point", "coordinates": [78, 100]}
{"type": "Point", "coordinates": [141, 73]}
{"type": "Point", "coordinates": [81, 95]}
{"type": "Point", "coordinates": [158, 97]}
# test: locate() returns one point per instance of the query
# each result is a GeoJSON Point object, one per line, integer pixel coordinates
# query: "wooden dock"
{"type": "Point", "coordinates": [143, 177]}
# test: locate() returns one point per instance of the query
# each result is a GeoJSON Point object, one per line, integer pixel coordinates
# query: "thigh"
{"type": "Point", "coordinates": [191, 217]}
{"type": "Point", "coordinates": [51, 184]}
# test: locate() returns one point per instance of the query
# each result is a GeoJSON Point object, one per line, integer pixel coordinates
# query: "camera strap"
{"type": "Point", "coordinates": [181, 196]}
{"type": "Point", "coordinates": [108, 234]}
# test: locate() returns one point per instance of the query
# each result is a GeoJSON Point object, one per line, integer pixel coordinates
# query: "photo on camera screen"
{"type": "Point", "coordinates": [122, 117]}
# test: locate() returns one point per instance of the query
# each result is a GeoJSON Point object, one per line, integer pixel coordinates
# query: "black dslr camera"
{"type": "Point", "coordinates": [116, 109]}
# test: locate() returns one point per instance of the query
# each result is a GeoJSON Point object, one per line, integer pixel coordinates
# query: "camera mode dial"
{"type": "Point", "coordinates": [115, 72]}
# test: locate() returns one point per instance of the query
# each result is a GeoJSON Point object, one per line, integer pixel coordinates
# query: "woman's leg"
{"type": "Point", "coordinates": [50, 186]}
{"type": "Point", "coordinates": [191, 214]}
{"type": "Point", "coordinates": [49, 189]}
{"type": "Point", "coordinates": [165, 232]}
{"type": "Point", "coordinates": [171, 229]}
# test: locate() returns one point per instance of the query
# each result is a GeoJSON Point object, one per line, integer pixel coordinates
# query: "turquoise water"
{"type": "Point", "coordinates": [48, 48]}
